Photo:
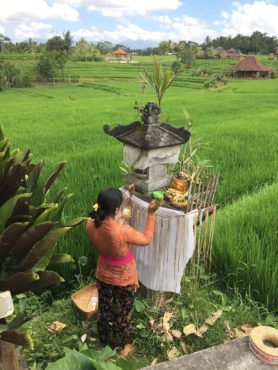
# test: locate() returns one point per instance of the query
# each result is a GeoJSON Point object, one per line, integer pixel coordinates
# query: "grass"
{"type": "Point", "coordinates": [245, 245]}
{"type": "Point", "coordinates": [193, 306]}
{"type": "Point", "coordinates": [65, 123]}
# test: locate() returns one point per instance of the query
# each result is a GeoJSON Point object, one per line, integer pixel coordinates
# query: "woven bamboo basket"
{"type": "Point", "coordinates": [86, 301]}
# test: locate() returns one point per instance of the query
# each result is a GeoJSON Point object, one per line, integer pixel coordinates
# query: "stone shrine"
{"type": "Point", "coordinates": [149, 146]}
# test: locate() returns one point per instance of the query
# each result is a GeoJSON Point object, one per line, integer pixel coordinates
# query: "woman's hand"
{"type": "Point", "coordinates": [153, 206]}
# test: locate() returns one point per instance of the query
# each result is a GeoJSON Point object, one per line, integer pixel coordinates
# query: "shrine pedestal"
{"type": "Point", "coordinates": [161, 265]}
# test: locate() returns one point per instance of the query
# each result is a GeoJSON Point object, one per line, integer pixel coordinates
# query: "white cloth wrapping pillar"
{"type": "Point", "coordinates": [161, 265]}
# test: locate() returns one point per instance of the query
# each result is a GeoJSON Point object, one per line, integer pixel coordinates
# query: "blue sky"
{"type": "Point", "coordinates": [137, 20]}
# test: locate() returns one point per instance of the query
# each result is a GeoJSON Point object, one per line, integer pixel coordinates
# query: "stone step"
{"type": "Point", "coordinates": [235, 355]}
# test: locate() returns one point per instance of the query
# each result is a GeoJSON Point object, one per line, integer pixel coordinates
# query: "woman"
{"type": "Point", "coordinates": [116, 272]}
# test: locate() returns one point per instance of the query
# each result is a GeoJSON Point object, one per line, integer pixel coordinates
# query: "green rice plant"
{"type": "Point", "coordinates": [239, 122]}
{"type": "Point", "coordinates": [245, 246]}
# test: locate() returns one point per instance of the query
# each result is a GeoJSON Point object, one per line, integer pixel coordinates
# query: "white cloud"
{"type": "Point", "coordinates": [247, 18]}
{"type": "Point", "coordinates": [186, 28]}
{"type": "Point", "coordinates": [33, 30]}
{"type": "Point", "coordinates": [122, 32]}
{"type": "Point", "coordinates": [119, 8]}
{"type": "Point", "coordinates": [181, 28]}
{"type": "Point", "coordinates": [2, 30]}
{"type": "Point", "coordinates": [29, 10]}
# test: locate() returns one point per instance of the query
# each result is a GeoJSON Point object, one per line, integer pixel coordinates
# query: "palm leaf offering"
{"type": "Point", "coordinates": [158, 80]}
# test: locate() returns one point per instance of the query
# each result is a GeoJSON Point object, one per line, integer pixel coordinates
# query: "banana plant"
{"type": "Point", "coordinates": [158, 80]}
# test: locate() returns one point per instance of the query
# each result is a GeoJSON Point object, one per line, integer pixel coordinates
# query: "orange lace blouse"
{"type": "Point", "coordinates": [113, 239]}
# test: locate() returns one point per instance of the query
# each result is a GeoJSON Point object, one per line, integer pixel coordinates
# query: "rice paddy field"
{"type": "Point", "coordinates": [239, 121]}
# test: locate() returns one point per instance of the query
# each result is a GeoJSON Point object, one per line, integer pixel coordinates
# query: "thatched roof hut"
{"type": "Point", "coordinates": [251, 67]}
{"type": "Point", "coordinates": [120, 52]}
{"type": "Point", "coordinates": [121, 55]}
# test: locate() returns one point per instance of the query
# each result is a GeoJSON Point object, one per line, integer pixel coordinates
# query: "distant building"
{"type": "Point", "coordinates": [121, 54]}
{"type": "Point", "coordinates": [234, 54]}
{"type": "Point", "coordinates": [250, 67]}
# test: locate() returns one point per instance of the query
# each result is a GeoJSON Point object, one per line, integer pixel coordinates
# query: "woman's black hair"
{"type": "Point", "coordinates": [108, 201]}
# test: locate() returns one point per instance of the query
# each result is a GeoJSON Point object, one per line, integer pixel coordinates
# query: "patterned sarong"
{"type": "Point", "coordinates": [114, 311]}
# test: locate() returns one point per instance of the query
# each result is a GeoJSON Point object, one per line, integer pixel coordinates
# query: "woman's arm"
{"type": "Point", "coordinates": [135, 237]}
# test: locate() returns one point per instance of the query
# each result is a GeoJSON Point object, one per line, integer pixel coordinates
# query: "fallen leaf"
{"type": "Point", "coordinates": [228, 330]}
{"type": "Point", "coordinates": [201, 330]}
{"type": "Point", "coordinates": [160, 301]}
{"type": "Point", "coordinates": [176, 333]}
{"type": "Point", "coordinates": [238, 333]}
{"type": "Point", "coordinates": [215, 316]}
{"type": "Point", "coordinates": [167, 316]}
{"type": "Point", "coordinates": [167, 337]}
{"type": "Point", "coordinates": [83, 338]}
{"type": "Point", "coordinates": [184, 347]}
{"type": "Point", "coordinates": [173, 353]}
{"type": "Point", "coordinates": [227, 326]}
{"type": "Point", "coordinates": [57, 327]}
{"type": "Point", "coordinates": [151, 323]}
{"type": "Point", "coordinates": [166, 326]}
{"type": "Point", "coordinates": [189, 329]}
{"type": "Point", "coordinates": [247, 328]}
{"type": "Point", "coordinates": [154, 361]}
{"type": "Point", "coordinates": [169, 300]}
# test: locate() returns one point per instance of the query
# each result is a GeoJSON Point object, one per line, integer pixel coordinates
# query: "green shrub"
{"type": "Point", "coordinates": [31, 222]}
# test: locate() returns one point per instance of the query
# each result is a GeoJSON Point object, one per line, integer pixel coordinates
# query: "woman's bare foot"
{"type": "Point", "coordinates": [127, 350]}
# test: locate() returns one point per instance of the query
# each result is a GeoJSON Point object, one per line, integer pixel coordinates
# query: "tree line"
{"type": "Point", "coordinates": [257, 43]}
{"type": "Point", "coordinates": [53, 55]}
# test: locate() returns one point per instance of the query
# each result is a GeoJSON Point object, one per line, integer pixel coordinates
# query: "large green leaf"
{"type": "Point", "coordinates": [57, 197]}
{"type": "Point", "coordinates": [46, 214]}
{"type": "Point", "coordinates": [22, 157]}
{"type": "Point", "coordinates": [1, 134]}
{"type": "Point", "coordinates": [127, 364]}
{"type": "Point", "coordinates": [13, 178]}
{"type": "Point", "coordinates": [18, 281]}
{"type": "Point", "coordinates": [6, 209]}
{"type": "Point", "coordinates": [17, 338]}
{"type": "Point", "coordinates": [33, 177]}
{"type": "Point", "coordinates": [40, 255]}
{"type": "Point", "coordinates": [18, 321]}
{"type": "Point", "coordinates": [53, 177]}
{"type": "Point", "coordinates": [30, 237]}
{"type": "Point", "coordinates": [9, 237]}
{"type": "Point", "coordinates": [61, 258]}
{"type": "Point", "coordinates": [103, 355]}
{"type": "Point", "coordinates": [76, 221]}
{"type": "Point", "coordinates": [72, 360]}
{"type": "Point", "coordinates": [46, 278]}
{"type": "Point", "coordinates": [57, 213]}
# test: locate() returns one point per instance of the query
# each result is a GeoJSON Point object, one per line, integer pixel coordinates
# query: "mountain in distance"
{"type": "Point", "coordinates": [132, 44]}
{"type": "Point", "coordinates": [139, 44]}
